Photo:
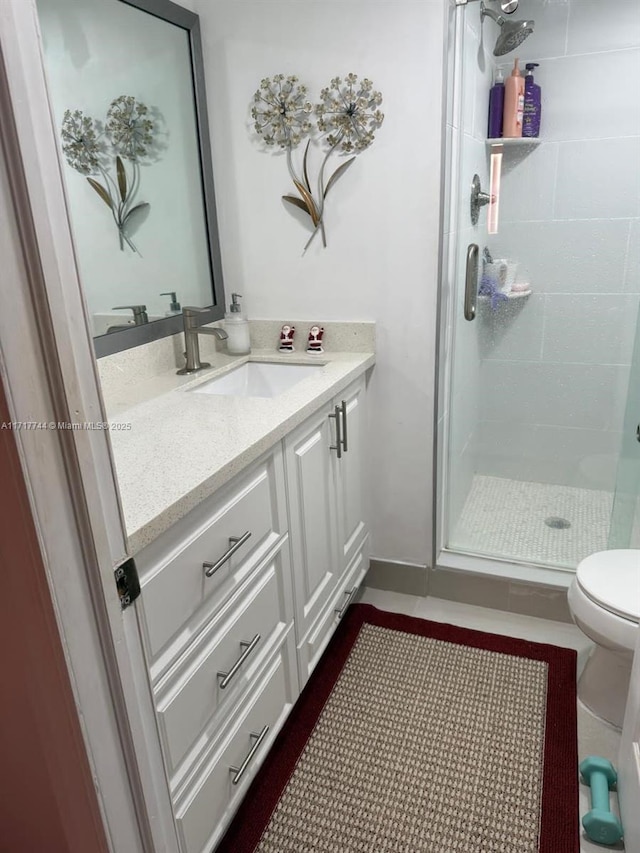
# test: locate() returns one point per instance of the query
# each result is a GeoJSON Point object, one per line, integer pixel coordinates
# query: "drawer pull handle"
{"type": "Point", "coordinates": [338, 445]}
{"type": "Point", "coordinates": [343, 409]}
{"type": "Point", "coordinates": [248, 648]}
{"type": "Point", "coordinates": [235, 542]}
{"type": "Point", "coordinates": [350, 593]}
{"type": "Point", "coordinates": [239, 771]}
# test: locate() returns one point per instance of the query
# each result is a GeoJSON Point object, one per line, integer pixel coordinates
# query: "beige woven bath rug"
{"type": "Point", "coordinates": [418, 737]}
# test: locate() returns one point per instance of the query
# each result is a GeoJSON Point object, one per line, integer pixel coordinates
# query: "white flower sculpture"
{"type": "Point", "coordinates": [349, 112]}
{"type": "Point", "coordinates": [347, 116]}
{"type": "Point", "coordinates": [281, 111]}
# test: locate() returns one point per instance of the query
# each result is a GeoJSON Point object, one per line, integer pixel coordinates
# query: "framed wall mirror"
{"type": "Point", "coordinates": [127, 91]}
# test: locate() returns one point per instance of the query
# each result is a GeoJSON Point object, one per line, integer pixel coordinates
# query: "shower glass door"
{"type": "Point", "coordinates": [625, 518]}
{"type": "Point", "coordinates": [537, 381]}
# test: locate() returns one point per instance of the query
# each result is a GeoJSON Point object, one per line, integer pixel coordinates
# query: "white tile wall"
{"type": "Point", "coordinates": [513, 331]}
{"type": "Point", "coordinates": [570, 256]}
{"type": "Point", "coordinates": [589, 329]}
{"type": "Point", "coordinates": [528, 185]}
{"type": "Point", "coordinates": [555, 366]}
{"type": "Point", "coordinates": [597, 27]}
{"type": "Point", "coordinates": [582, 458]}
{"type": "Point", "coordinates": [584, 396]}
{"type": "Point", "coordinates": [472, 19]}
{"type": "Point", "coordinates": [587, 96]}
{"type": "Point", "coordinates": [507, 449]}
{"type": "Point", "coordinates": [598, 179]}
{"type": "Point", "coordinates": [471, 75]}
{"type": "Point", "coordinates": [632, 265]}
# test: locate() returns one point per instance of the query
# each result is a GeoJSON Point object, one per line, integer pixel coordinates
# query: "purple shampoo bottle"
{"type": "Point", "coordinates": [532, 103]}
{"type": "Point", "coordinates": [496, 106]}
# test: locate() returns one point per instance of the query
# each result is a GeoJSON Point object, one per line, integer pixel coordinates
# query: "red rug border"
{"type": "Point", "coordinates": [559, 832]}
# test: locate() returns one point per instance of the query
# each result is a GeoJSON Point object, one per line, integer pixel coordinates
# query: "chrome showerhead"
{"type": "Point", "coordinates": [512, 33]}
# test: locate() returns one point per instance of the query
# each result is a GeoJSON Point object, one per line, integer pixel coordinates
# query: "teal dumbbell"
{"type": "Point", "coordinates": [600, 823]}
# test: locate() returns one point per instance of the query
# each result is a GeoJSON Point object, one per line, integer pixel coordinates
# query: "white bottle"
{"type": "Point", "coordinates": [236, 326]}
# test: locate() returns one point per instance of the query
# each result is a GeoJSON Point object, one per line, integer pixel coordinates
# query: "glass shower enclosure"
{"type": "Point", "coordinates": [539, 384]}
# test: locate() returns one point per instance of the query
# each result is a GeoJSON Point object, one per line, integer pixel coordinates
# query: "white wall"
{"type": "Point", "coordinates": [382, 222]}
{"type": "Point", "coordinates": [555, 370]}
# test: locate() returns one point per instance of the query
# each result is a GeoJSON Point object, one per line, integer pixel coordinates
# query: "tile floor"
{"type": "Point", "coordinates": [506, 518]}
{"type": "Point", "coordinates": [594, 737]}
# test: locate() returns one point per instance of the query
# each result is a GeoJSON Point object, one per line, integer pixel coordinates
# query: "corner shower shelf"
{"type": "Point", "coordinates": [519, 142]}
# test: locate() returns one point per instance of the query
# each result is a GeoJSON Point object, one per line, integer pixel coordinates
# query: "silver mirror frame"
{"type": "Point", "coordinates": [138, 335]}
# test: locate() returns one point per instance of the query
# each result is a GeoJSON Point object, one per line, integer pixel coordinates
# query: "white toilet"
{"type": "Point", "coordinates": [604, 599]}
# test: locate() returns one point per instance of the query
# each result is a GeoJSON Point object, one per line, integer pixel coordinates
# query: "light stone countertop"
{"type": "Point", "coordinates": [182, 447]}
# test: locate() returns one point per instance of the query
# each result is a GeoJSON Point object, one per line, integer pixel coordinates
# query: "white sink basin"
{"type": "Point", "coordinates": [257, 379]}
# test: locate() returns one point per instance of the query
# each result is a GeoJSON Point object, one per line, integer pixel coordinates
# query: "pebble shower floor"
{"type": "Point", "coordinates": [506, 518]}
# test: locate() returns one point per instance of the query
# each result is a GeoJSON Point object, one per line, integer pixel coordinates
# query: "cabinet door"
{"type": "Point", "coordinates": [311, 482]}
{"type": "Point", "coordinates": [310, 650]}
{"type": "Point", "coordinates": [351, 496]}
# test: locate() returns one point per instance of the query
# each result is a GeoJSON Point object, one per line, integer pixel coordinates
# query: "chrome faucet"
{"type": "Point", "coordinates": [191, 342]}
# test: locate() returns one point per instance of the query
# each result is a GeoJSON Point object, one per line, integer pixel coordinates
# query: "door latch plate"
{"type": "Point", "coordinates": [127, 582]}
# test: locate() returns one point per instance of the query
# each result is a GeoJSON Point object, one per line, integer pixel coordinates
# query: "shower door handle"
{"type": "Point", "coordinates": [471, 282]}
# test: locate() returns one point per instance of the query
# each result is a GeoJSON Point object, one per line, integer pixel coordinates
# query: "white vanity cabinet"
{"type": "Point", "coordinates": [238, 601]}
{"type": "Point", "coordinates": [215, 618]}
{"type": "Point", "coordinates": [328, 533]}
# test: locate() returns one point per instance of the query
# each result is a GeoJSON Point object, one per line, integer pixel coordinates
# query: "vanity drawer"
{"type": "Point", "coordinates": [313, 645]}
{"type": "Point", "coordinates": [209, 803]}
{"type": "Point", "coordinates": [177, 594]}
{"type": "Point", "coordinates": [193, 696]}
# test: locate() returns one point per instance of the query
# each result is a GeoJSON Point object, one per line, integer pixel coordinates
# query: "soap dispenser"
{"type": "Point", "coordinates": [174, 307]}
{"type": "Point", "coordinates": [237, 328]}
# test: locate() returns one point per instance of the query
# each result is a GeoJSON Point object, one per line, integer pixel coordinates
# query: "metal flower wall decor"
{"type": "Point", "coordinates": [346, 118]}
{"type": "Point", "coordinates": [93, 150]}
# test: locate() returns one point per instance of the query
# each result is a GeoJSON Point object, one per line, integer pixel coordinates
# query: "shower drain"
{"type": "Point", "coordinates": [557, 523]}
